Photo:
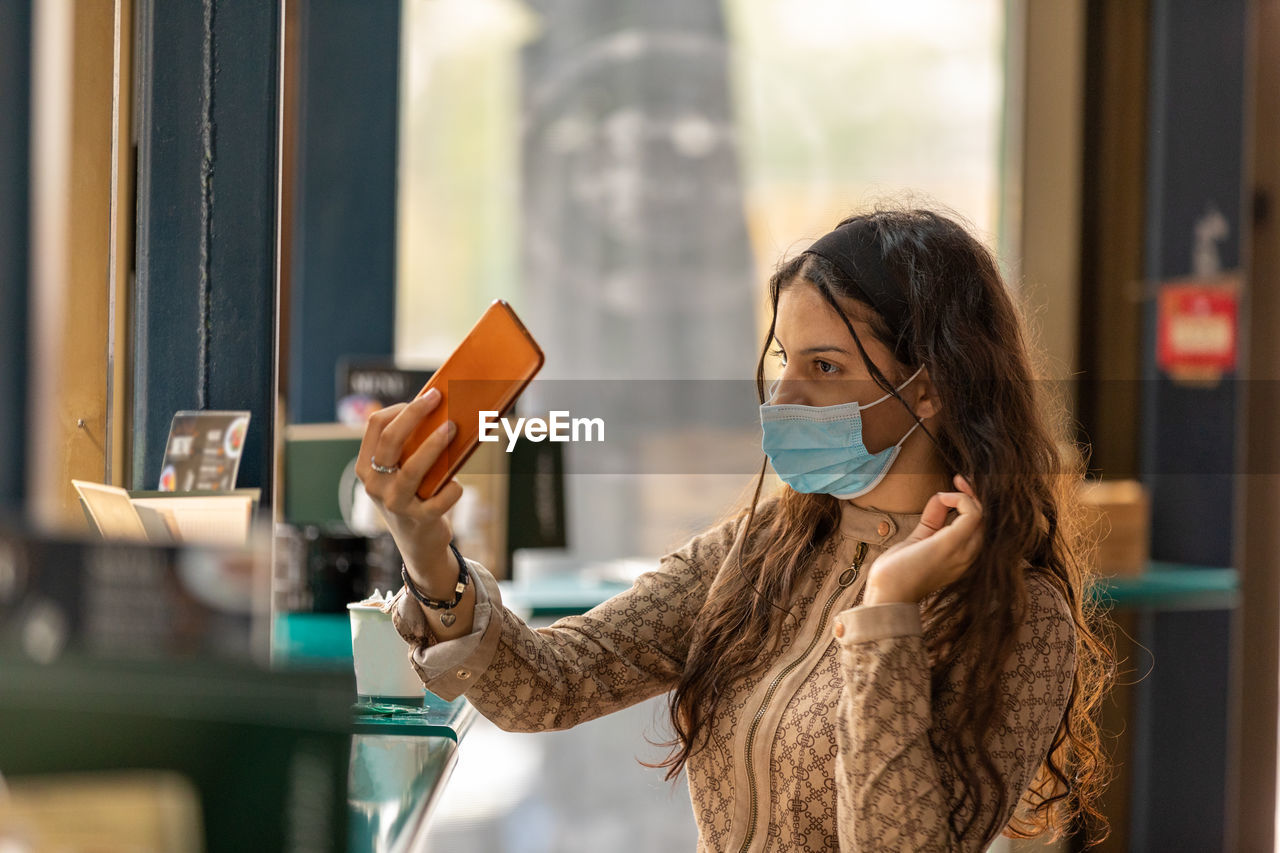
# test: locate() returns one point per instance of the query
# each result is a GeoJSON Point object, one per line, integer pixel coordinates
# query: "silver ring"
{"type": "Point", "coordinates": [382, 469]}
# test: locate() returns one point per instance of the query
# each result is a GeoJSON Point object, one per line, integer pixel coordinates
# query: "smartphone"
{"type": "Point", "coordinates": [487, 372]}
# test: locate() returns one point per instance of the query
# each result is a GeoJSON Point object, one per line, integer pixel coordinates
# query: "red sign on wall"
{"type": "Point", "coordinates": [1196, 322]}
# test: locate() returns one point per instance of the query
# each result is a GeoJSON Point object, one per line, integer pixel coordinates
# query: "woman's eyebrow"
{"type": "Point", "coordinates": [814, 350]}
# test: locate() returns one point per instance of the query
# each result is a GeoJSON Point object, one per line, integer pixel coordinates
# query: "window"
{"type": "Point", "coordinates": [628, 173]}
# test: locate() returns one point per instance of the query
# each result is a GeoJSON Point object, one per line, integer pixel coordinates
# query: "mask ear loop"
{"type": "Point", "coordinates": [903, 440]}
{"type": "Point", "coordinates": [907, 382]}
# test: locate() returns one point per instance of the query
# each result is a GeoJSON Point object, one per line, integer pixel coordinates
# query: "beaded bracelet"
{"type": "Point", "coordinates": [447, 618]}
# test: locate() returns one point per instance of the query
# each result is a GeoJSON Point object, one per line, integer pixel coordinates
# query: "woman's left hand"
{"type": "Point", "coordinates": [934, 555]}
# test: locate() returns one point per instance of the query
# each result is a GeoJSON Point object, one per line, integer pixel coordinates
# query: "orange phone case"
{"type": "Point", "coordinates": [487, 372]}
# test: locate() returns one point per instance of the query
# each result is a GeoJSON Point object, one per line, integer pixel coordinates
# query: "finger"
{"type": "Point", "coordinates": [436, 506]}
{"type": "Point", "coordinates": [952, 536]}
{"type": "Point", "coordinates": [443, 501]}
{"type": "Point", "coordinates": [965, 486]}
{"type": "Point", "coordinates": [391, 444]}
{"type": "Point", "coordinates": [933, 519]}
{"type": "Point", "coordinates": [962, 502]}
{"type": "Point", "coordinates": [938, 512]}
{"type": "Point", "coordinates": [415, 468]}
{"type": "Point", "coordinates": [372, 433]}
{"type": "Point", "coordinates": [961, 541]}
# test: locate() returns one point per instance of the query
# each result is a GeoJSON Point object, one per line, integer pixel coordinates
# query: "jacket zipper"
{"type": "Point", "coordinates": [847, 577]}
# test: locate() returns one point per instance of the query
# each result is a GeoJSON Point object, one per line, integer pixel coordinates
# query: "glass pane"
{"type": "Point", "coordinates": [627, 174]}
{"type": "Point", "coordinates": [845, 102]}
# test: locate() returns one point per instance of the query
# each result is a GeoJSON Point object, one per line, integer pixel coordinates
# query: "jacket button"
{"type": "Point", "coordinates": [464, 673]}
{"type": "Point", "coordinates": [839, 629]}
{"type": "Point", "coordinates": [883, 529]}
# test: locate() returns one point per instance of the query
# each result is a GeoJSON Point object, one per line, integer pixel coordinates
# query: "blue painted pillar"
{"type": "Point", "coordinates": [1195, 149]}
{"type": "Point", "coordinates": [204, 301]}
{"type": "Point", "coordinates": [15, 172]}
{"type": "Point", "coordinates": [342, 292]}
{"type": "Point", "coordinates": [1195, 145]}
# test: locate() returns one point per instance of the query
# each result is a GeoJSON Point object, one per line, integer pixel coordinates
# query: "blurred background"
{"type": "Point", "coordinates": [297, 209]}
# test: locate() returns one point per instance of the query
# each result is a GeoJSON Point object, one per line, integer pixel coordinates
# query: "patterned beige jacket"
{"type": "Point", "coordinates": [830, 749]}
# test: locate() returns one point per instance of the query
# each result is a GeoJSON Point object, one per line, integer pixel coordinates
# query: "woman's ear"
{"type": "Point", "coordinates": [924, 396]}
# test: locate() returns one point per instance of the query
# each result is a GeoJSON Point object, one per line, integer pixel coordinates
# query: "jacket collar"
{"type": "Point", "coordinates": [877, 526]}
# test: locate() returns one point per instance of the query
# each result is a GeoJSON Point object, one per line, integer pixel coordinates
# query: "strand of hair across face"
{"type": "Point", "coordinates": [879, 377]}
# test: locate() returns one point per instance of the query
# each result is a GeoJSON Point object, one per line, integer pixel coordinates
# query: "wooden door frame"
{"type": "Point", "coordinates": [1256, 649]}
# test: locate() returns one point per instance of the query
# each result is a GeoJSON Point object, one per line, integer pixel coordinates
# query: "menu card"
{"type": "Point", "coordinates": [203, 451]}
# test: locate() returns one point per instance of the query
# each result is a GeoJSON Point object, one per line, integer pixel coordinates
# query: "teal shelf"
{"type": "Point", "coordinates": [1163, 585]}
{"type": "Point", "coordinates": [1174, 586]}
{"type": "Point", "coordinates": [560, 595]}
{"type": "Point", "coordinates": [311, 641]}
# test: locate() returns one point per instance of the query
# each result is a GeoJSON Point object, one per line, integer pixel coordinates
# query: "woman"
{"type": "Point", "coordinates": [896, 651]}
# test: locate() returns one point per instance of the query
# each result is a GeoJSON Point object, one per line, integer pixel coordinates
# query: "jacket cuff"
{"type": "Point", "coordinates": [438, 657]}
{"type": "Point", "coordinates": [879, 621]}
{"type": "Point", "coordinates": [450, 668]}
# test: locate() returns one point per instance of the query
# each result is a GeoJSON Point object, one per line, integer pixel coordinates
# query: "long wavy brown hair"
{"type": "Point", "coordinates": [1009, 436]}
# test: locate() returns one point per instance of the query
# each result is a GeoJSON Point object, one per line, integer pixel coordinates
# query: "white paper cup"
{"type": "Point", "coordinates": [383, 671]}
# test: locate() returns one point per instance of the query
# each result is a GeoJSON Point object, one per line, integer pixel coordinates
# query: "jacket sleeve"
{"type": "Point", "coordinates": [623, 651]}
{"type": "Point", "coordinates": [438, 658]}
{"type": "Point", "coordinates": [890, 789]}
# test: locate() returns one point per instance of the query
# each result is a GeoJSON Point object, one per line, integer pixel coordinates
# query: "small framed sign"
{"type": "Point", "coordinates": [369, 384]}
{"type": "Point", "coordinates": [203, 451]}
{"type": "Point", "coordinates": [1196, 327]}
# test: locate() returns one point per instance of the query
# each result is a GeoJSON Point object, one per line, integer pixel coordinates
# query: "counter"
{"type": "Point", "coordinates": [401, 756]}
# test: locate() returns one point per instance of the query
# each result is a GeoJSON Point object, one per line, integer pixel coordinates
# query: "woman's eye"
{"type": "Point", "coordinates": [779, 354]}
{"type": "Point", "coordinates": [824, 365]}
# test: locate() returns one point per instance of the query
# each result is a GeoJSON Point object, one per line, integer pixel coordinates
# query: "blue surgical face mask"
{"type": "Point", "coordinates": [819, 449]}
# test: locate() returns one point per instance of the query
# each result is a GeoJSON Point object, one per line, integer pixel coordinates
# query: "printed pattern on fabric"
{"type": "Point", "coordinates": [711, 772]}
{"type": "Point", "coordinates": [624, 651]}
{"type": "Point", "coordinates": [852, 762]}
{"type": "Point", "coordinates": [893, 794]}
{"type": "Point", "coordinates": [802, 767]}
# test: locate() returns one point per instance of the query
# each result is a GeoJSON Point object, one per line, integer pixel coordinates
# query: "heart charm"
{"type": "Point", "coordinates": [447, 618]}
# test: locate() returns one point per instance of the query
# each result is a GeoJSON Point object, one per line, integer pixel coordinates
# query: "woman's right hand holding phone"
{"type": "Point", "coordinates": [420, 528]}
